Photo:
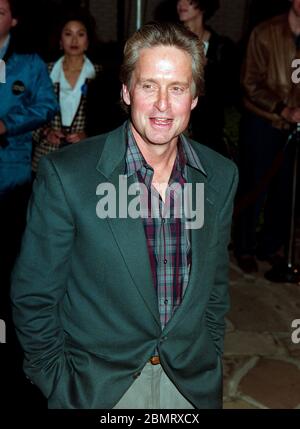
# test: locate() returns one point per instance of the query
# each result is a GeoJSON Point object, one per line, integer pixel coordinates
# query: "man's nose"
{"type": "Point", "coordinates": [162, 101]}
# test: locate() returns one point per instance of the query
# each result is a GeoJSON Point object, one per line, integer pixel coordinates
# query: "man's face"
{"type": "Point", "coordinates": [187, 10]}
{"type": "Point", "coordinates": [296, 7]}
{"type": "Point", "coordinates": [160, 95]}
{"type": "Point", "coordinates": [6, 20]}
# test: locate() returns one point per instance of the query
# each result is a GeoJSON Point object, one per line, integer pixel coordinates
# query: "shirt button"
{"type": "Point", "coordinates": [165, 261]}
{"type": "Point", "coordinates": [166, 301]}
{"type": "Point", "coordinates": [164, 221]}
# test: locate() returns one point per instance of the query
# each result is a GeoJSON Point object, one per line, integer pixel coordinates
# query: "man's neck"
{"type": "Point", "coordinates": [294, 22]}
{"type": "Point", "coordinates": [160, 157]}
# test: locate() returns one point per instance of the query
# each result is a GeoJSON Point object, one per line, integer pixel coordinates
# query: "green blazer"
{"type": "Point", "coordinates": [84, 303]}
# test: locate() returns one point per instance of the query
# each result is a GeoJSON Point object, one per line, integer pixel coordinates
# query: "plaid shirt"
{"type": "Point", "coordinates": [168, 240]}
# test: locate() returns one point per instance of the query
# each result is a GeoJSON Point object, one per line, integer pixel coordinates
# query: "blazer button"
{"type": "Point", "coordinates": [136, 375]}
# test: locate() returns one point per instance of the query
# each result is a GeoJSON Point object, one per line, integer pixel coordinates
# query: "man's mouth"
{"type": "Point", "coordinates": [161, 121]}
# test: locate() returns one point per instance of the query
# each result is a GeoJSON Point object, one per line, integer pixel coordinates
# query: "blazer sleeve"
{"type": "Point", "coordinates": [219, 298]}
{"type": "Point", "coordinates": [39, 279]}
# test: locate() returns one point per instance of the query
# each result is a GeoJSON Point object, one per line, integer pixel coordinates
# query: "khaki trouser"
{"type": "Point", "coordinates": [153, 390]}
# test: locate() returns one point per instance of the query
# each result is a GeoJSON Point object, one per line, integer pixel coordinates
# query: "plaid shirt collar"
{"type": "Point", "coordinates": [186, 155]}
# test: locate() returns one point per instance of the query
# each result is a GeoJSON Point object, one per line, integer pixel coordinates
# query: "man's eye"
{"type": "Point", "coordinates": [148, 86]}
{"type": "Point", "coordinates": [177, 89]}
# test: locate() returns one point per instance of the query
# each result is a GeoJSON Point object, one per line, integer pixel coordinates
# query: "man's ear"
{"type": "Point", "coordinates": [194, 103]}
{"type": "Point", "coordinates": [126, 95]}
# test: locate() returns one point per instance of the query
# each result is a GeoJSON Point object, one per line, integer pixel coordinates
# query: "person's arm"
{"type": "Point", "coordinates": [219, 298]}
{"type": "Point", "coordinates": [38, 106]}
{"type": "Point", "coordinates": [254, 73]}
{"type": "Point", "coordinates": [291, 114]}
{"type": "Point", "coordinates": [76, 137]}
{"type": "Point", "coordinates": [39, 279]}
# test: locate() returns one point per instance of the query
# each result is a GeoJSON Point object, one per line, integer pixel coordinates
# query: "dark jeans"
{"type": "Point", "coordinates": [266, 171]}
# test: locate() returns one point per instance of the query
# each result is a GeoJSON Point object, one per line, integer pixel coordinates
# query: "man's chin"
{"type": "Point", "coordinates": [160, 142]}
{"type": "Point", "coordinates": [160, 138]}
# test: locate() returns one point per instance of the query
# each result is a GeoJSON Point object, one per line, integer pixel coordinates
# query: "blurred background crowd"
{"type": "Point", "coordinates": [63, 59]}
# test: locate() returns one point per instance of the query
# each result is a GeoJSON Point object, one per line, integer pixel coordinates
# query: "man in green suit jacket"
{"type": "Point", "coordinates": [115, 309]}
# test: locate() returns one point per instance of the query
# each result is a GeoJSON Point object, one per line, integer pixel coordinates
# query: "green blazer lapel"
{"type": "Point", "coordinates": [113, 153]}
{"type": "Point", "coordinates": [128, 233]}
{"type": "Point", "coordinates": [199, 239]}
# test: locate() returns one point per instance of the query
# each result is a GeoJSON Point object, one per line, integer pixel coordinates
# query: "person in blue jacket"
{"type": "Point", "coordinates": [27, 101]}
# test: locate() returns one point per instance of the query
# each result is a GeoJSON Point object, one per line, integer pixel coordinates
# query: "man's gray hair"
{"type": "Point", "coordinates": [165, 34]}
